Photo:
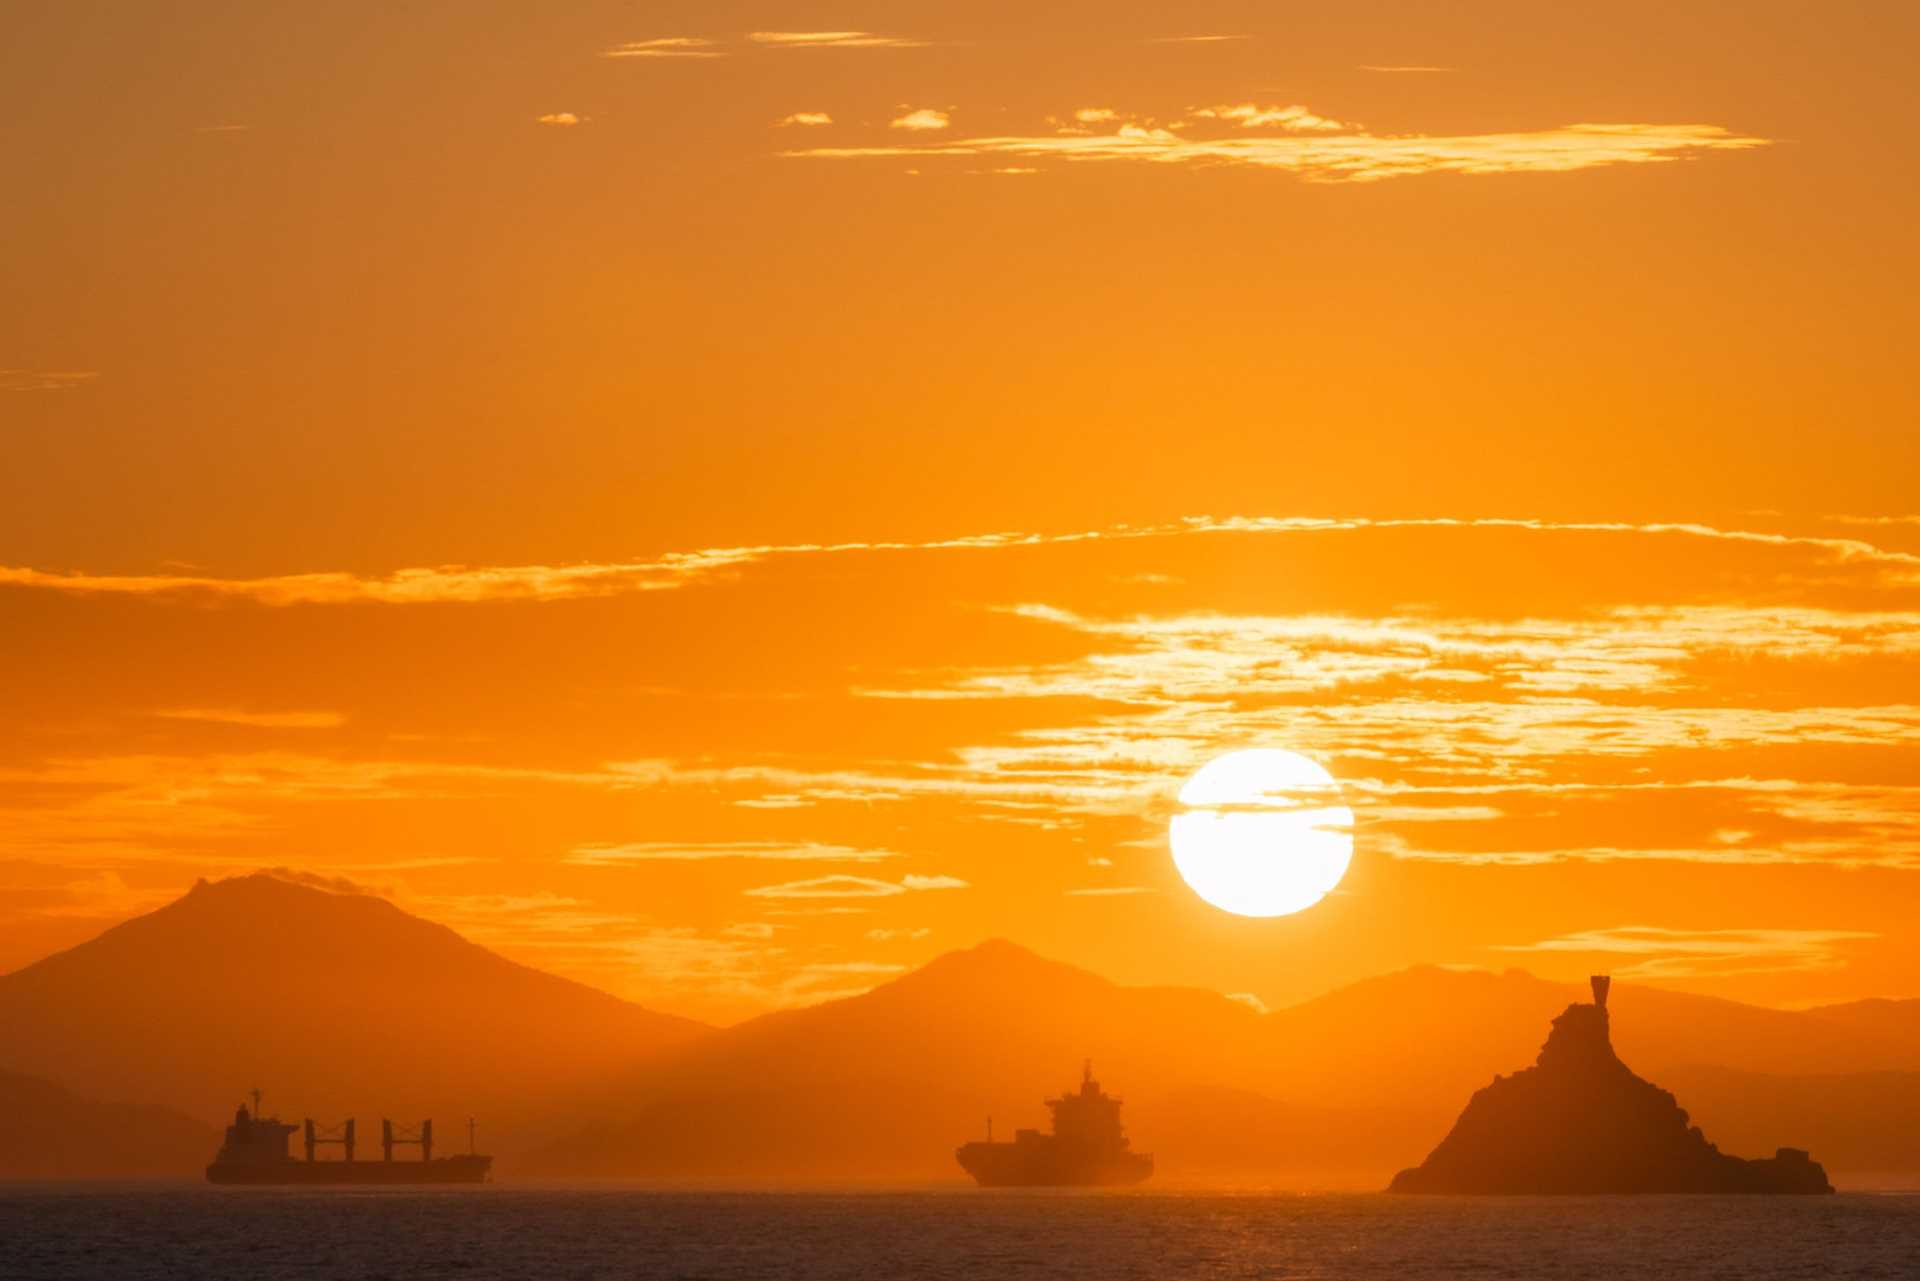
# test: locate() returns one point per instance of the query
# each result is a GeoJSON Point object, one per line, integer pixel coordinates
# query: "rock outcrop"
{"type": "Point", "coordinates": [1580, 1121]}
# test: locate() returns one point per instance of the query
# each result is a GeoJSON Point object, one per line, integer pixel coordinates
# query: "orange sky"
{"type": "Point", "coordinates": [727, 516]}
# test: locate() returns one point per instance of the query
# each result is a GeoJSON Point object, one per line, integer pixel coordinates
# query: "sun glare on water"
{"type": "Point", "coordinates": [1262, 833]}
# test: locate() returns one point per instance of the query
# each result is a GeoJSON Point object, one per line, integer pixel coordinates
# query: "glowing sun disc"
{"type": "Point", "coordinates": [1262, 833]}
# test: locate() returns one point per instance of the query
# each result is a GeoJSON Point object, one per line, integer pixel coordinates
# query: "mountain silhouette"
{"type": "Point", "coordinates": [883, 1085]}
{"type": "Point", "coordinates": [47, 1132]}
{"type": "Point", "coordinates": [332, 1003]}
{"type": "Point", "coordinates": [1864, 1123]}
{"type": "Point", "coordinates": [339, 1004]}
{"type": "Point", "coordinates": [1895, 1023]}
{"type": "Point", "coordinates": [1580, 1121]}
{"type": "Point", "coordinates": [1352, 1045]}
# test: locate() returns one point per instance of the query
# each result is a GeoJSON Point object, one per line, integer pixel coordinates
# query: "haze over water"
{"type": "Point", "coordinates": [622, 1233]}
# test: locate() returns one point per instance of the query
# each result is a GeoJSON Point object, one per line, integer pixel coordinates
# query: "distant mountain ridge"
{"type": "Point", "coordinates": [343, 1003]}
{"type": "Point", "coordinates": [1349, 1086]}
{"type": "Point", "coordinates": [330, 1002]}
{"type": "Point", "coordinates": [47, 1132]}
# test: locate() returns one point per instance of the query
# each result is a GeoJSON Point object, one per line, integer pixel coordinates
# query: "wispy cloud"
{"type": "Point", "coordinates": [564, 119]}
{"type": "Point", "coordinates": [834, 40]}
{"type": "Point", "coordinates": [1824, 854]}
{"type": "Point", "coordinates": [470, 584]}
{"type": "Point", "coordinates": [1249, 115]}
{"type": "Point", "coordinates": [921, 120]}
{"type": "Point", "coordinates": [100, 896]}
{"type": "Point", "coordinates": [884, 935]}
{"type": "Point", "coordinates": [1883, 522]}
{"type": "Point", "coordinates": [666, 47]}
{"type": "Point", "coordinates": [691, 852]}
{"type": "Point", "coordinates": [1196, 39]}
{"type": "Point", "coordinates": [442, 584]}
{"type": "Point", "coordinates": [45, 379]}
{"type": "Point", "coordinates": [1675, 953]}
{"type": "Point", "coordinates": [1352, 157]}
{"type": "Point", "coordinates": [255, 720]}
{"type": "Point", "coordinates": [1403, 70]}
{"type": "Point", "coordinates": [841, 886]}
{"type": "Point", "coordinates": [804, 119]}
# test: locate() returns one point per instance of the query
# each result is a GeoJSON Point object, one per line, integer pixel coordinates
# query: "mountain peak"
{"type": "Point", "coordinates": [283, 882]}
{"type": "Point", "coordinates": [328, 996]}
{"type": "Point", "coordinates": [994, 962]}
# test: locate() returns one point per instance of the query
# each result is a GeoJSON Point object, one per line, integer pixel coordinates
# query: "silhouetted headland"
{"type": "Point", "coordinates": [1088, 1147]}
{"type": "Point", "coordinates": [1580, 1121]}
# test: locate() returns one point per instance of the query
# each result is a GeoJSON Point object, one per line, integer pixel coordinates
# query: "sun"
{"type": "Point", "coordinates": [1262, 833]}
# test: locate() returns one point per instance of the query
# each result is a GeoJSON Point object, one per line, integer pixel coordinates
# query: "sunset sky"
{"type": "Point", "coordinates": [728, 501]}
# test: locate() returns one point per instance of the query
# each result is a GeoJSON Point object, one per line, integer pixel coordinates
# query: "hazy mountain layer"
{"type": "Point", "coordinates": [331, 1003]}
{"type": "Point", "coordinates": [339, 1003]}
{"type": "Point", "coordinates": [1340, 1091]}
{"type": "Point", "coordinates": [47, 1132]}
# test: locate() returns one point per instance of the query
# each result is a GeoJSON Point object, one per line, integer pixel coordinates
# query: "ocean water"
{"type": "Point", "coordinates": [502, 1232]}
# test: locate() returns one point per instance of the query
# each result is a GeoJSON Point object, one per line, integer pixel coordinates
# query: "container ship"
{"type": "Point", "coordinates": [256, 1151]}
{"type": "Point", "coordinates": [1088, 1147]}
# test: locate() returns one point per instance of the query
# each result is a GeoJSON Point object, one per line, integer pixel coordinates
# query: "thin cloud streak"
{"type": "Point", "coordinates": [255, 720]}
{"type": "Point", "coordinates": [1355, 158]}
{"type": "Point", "coordinates": [466, 584]}
{"type": "Point", "coordinates": [45, 379]}
{"type": "Point", "coordinates": [1294, 118]}
{"type": "Point", "coordinates": [666, 47]}
{"type": "Point", "coordinates": [841, 886]}
{"type": "Point", "coordinates": [922, 120]}
{"type": "Point", "coordinates": [834, 40]}
{"type": "Point", "coordinates": [695, 852]}
{"type": "Point", "coordinates": [1678, 953]}
{"type": "Point", "coordinates": [1884, 522]}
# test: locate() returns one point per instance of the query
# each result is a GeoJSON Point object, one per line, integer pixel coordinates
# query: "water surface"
{"type": "Point", "coordinates": [515, 1232]}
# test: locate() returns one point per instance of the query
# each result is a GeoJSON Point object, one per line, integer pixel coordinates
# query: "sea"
{"type": "Point", "coordinates": [190, 1231]}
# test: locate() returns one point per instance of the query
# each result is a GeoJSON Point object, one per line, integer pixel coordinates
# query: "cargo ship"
{"type": "Point", "coordinates": [256, 1151]}
{"type": "Point", "coordinates": [1088, 1147]}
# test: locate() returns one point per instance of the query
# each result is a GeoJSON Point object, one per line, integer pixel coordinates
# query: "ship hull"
{"type": "Point", "coordinates": [451, 1169]}
{"type": "Point", "coordinates": [1022, 1165]}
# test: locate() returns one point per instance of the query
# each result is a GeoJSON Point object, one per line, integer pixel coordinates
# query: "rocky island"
{"type": "Point", "coordinates": [1580, 1121]}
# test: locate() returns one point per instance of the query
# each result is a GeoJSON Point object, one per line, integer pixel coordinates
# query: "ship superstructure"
{"type": "Point", "coordinates": [1087, 1148]}
{"type": "Point", "coordinates": [257, 1150]}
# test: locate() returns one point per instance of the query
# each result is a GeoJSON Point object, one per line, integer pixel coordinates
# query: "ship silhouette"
{"type": "Point", "coordinates": [1088, 1147]}
{"type": "Point", "coordinates": [256, 1151]}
